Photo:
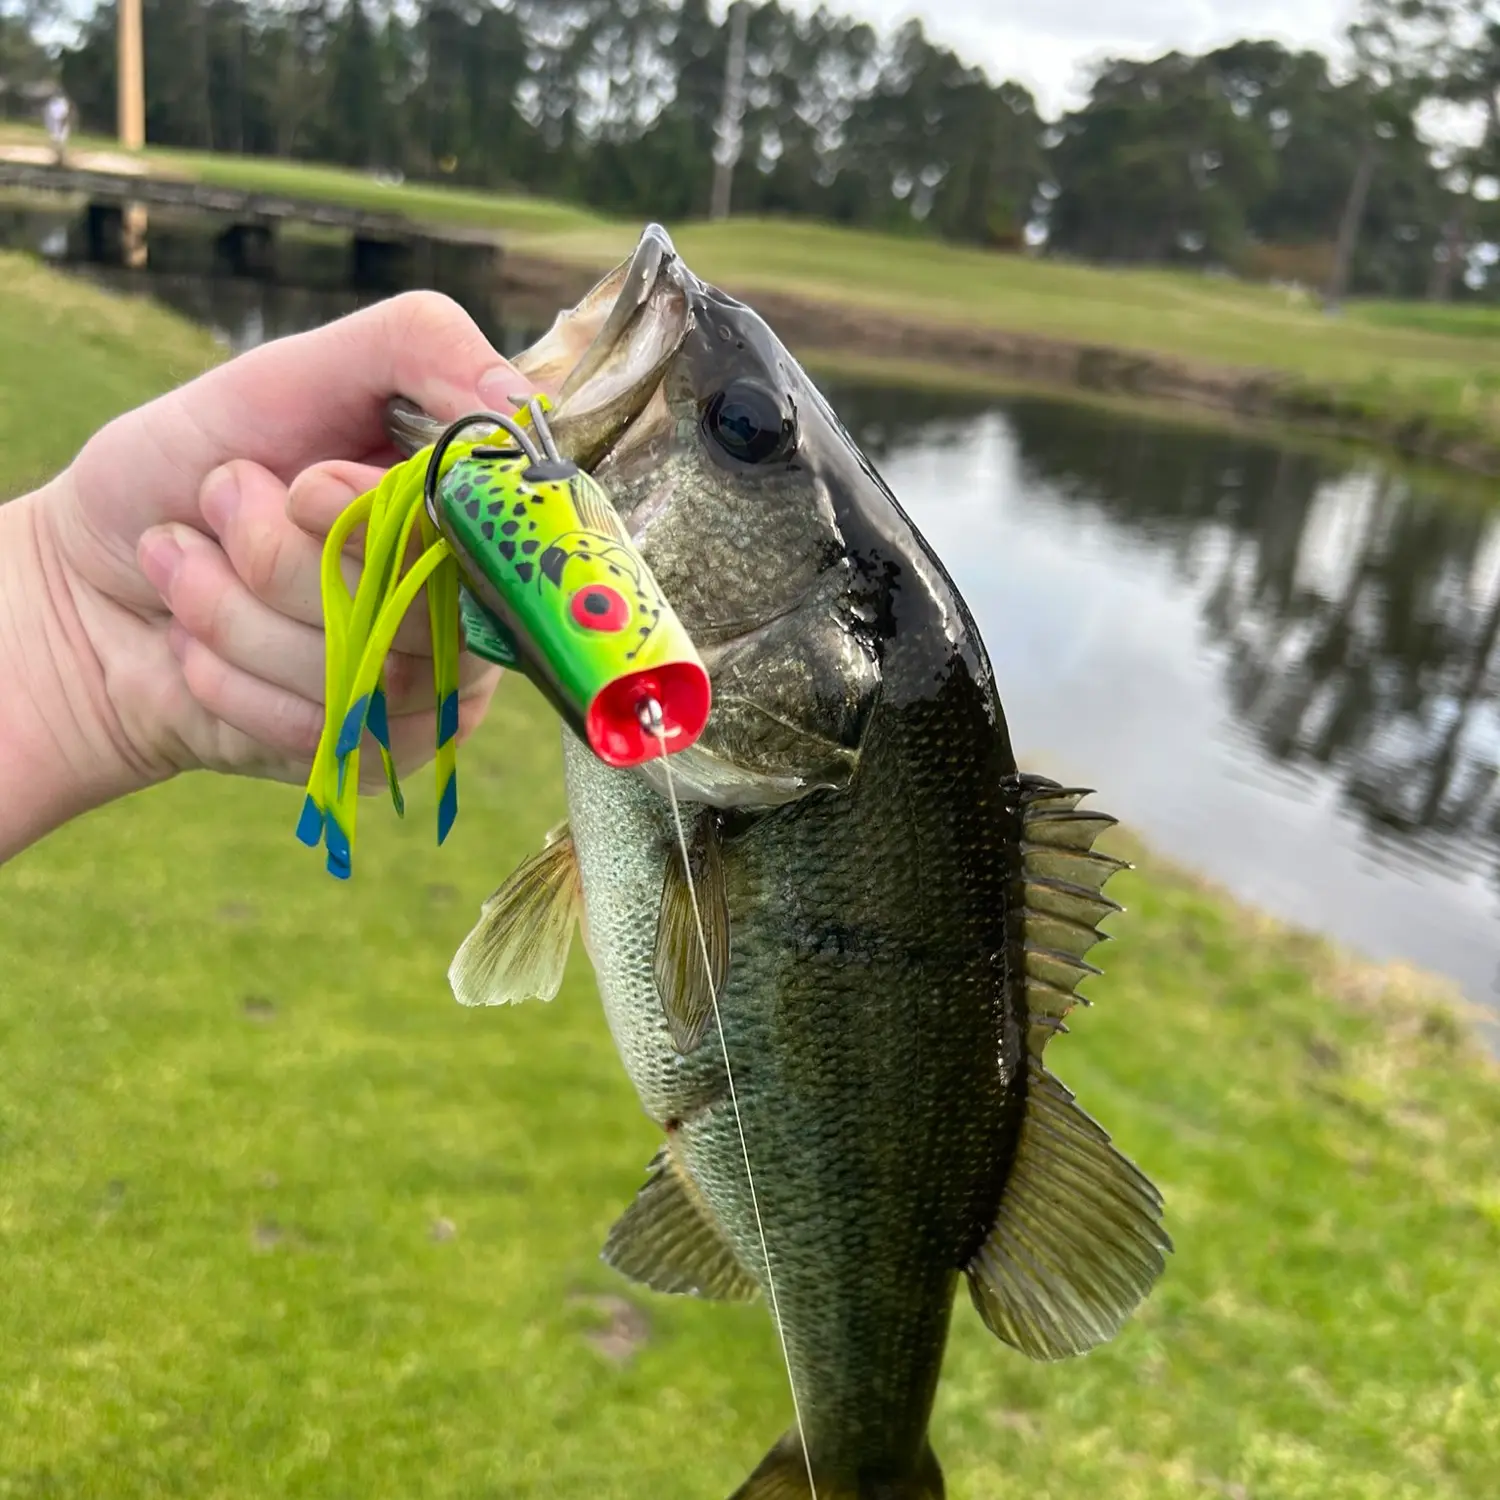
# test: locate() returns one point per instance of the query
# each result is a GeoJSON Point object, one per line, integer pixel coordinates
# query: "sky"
{"type": "Point", "coordinates": [1047, 44]}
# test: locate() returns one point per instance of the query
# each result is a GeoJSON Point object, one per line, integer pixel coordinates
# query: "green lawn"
{"type": "Point", "coordinates": [278, 1218]}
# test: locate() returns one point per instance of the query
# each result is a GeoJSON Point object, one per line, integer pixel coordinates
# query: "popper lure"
{"type": "Point", "coordinates": [527, 564]}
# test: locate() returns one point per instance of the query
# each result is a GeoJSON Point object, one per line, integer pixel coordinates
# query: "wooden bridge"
{"type": "Point", "coordinates": [385, 248]}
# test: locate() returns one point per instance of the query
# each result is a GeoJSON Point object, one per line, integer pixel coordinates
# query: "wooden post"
{"type": "Point", "coordinates": [132, 120]}
{"type": "Point", "coordinates": [132, 89]}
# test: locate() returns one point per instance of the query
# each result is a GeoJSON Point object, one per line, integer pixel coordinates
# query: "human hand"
{"type": "Point", "coordinates": [161, 608]}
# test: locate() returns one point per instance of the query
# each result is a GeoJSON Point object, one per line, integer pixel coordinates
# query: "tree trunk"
{"type": "Point", "coordinates": [1455, 232]}
{"type": "Point", "coordinates": [730, 137]}
{"type": "Point", "coordinates": [1349, 224]}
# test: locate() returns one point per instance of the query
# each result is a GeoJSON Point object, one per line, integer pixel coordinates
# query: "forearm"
{"type": "Point", "coordinates": [58, 755]}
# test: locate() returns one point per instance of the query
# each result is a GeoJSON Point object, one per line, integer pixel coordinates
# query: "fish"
{"type": "Point", "coordinates": [835, 937]}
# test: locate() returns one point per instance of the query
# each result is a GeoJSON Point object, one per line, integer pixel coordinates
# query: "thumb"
{"type": "Point", "coordinates": [290, 403]}
{"type": "Point", "coordinates": [322, 394]}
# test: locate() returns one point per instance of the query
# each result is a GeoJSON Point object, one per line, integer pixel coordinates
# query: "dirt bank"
{"type": "Point", "coordinates": [994, 353]}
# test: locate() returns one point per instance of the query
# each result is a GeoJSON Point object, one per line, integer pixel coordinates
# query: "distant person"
{"type": "Point", "coordinates": [160, 604]}
{"type": "Point", "coordinates": [58, 113]}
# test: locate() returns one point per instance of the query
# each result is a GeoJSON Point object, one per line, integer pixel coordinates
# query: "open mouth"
{"type": "Point", "coordinates": [607, 357]}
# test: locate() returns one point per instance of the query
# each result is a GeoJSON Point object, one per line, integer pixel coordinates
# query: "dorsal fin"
{"type": "Point", "coordinates": [667, 1240]}
{"type": "Point", "coordinates": [1063, 902]}
{"type": "Point", "coordinates": [1078, 1241]}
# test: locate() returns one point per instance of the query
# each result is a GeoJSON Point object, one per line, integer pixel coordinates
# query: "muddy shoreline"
{"type": "Point", "coordinates": [810, 327]}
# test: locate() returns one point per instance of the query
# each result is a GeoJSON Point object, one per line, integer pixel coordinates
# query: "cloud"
{"type": "Point", "coordinates": [1049, 44]}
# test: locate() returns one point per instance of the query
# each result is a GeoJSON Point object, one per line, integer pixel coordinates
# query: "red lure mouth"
{"type": "Point", "coordinates": [614, 724]}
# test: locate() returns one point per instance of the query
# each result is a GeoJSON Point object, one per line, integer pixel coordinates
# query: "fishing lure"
{"type": "Point", "coordinates": [526, 563]}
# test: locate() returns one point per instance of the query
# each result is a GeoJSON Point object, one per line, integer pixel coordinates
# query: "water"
{"type": "Point", "coordinates": [1280, 667]}
{"type": "Point", "coordinates": [1277, 665]}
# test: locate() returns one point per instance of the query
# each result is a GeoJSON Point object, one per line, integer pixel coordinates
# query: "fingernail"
{"type": "Point", "coordinates": [218, 498]}
{"type": "Point", "coordinates": [498, 388]}
{"type": "Point", "coordinates": [160, 557]}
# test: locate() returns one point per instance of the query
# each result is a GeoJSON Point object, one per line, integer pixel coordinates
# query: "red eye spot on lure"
{"type": "Point", "coordinates": [599, 607]}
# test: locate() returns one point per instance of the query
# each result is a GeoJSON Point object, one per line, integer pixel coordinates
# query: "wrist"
{"type": "Point", "coordinates": [61, 751]}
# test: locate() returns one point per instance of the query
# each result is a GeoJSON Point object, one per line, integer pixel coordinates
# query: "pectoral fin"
{"type": "Point", "coordinates": [668, 1241]}
{"type": "Point", "coordinates": [1078, 1242]}
{"type": "Point", "coordinates": [686, 987]}
{"type": "Point", "coordinates": [519, 947]}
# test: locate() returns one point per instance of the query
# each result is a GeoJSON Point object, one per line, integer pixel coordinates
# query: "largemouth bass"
{"type": "Point", "coordinates": [893, 914]}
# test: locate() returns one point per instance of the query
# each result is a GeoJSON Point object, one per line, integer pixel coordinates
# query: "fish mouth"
{"type": "Point", "coordinates": [607, 357]}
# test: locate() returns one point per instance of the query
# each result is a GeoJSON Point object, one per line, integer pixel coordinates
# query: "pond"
{"type": "Point", "coordinates": [1277, 664]}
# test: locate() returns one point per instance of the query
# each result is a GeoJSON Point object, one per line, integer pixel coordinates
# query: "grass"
{"type": "Point", "coordinates": [71, 358]}
{"type": "Point", "coordinates": [278, 1218]}
{"type": "Point", "coordinates": [1389, 367]}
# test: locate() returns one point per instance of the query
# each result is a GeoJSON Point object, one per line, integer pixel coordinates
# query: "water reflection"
{"type": "Point", "coordinates": [1221, 632]}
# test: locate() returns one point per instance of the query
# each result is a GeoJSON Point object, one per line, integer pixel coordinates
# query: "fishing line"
{"type": "Point", "coordinates": [652, 723]}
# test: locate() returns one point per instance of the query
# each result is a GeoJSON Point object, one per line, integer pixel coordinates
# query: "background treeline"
{"type": "Point", "coordinates": [1251, 157]}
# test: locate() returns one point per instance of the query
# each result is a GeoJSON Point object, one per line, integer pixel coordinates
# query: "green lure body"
{"type": "Point", "coordinates": [525, 563]}
{"type": "Point", "coordinates": [556, 587]}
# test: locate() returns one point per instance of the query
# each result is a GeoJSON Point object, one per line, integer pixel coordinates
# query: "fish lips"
{"type": "Point", "coordinates": [608, 356]}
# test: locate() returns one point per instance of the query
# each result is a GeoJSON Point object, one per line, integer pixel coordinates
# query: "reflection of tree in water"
{"type": "Point", "coordinates": [1359, 635]}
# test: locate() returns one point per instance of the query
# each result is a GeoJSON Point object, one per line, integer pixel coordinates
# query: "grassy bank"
{"type": "Point", "coordinates": [277, 1217]}
{"type": "Point", "coordinates": [71, 358]}
{"type": "Point", "coordinates": [1426, 378]}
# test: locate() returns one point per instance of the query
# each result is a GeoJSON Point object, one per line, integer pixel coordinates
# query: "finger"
{"type": "Point", "coordinates": [214, 606]}
{"type": "Point", "coordinates": [276, 559]}
{"type": "Point", "coordinates": [321, 493]}
{"type": "Point", "coordinates": [276, 720]}
{"type": "Point", "coordinates": [282, 565]}
{"type": "Point", "coordinates": [315, 499]}
{"type": "Point", "coordinates": [412, 735]}
{"type": "Point", "coordinates": [250, 512]}
{"type": "Point", "coordinates": [283, 729]}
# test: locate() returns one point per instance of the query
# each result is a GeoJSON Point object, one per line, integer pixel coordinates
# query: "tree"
{"type": "Point", "coordinates": [1162, 164]}
{"type": "Point", "coordinates": [1444, 52]}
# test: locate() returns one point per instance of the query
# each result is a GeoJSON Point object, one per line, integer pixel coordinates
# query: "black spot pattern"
{"type": "Point", "coordinates": [508, 551]}
{"type": "Point", "coordinates": [472, 510]}
{"type": "Point", "coordinates": [529, 547]}
{"type": "Point", "coordinates": [523, 572]}
{"type": "Point", "coordinates": [487, 531]}
{"type": "Point", "coordinates": [510, 528]}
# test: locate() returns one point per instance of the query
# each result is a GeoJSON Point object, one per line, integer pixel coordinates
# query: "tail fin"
{"type": "Point", "coordinates": [782, 1475]}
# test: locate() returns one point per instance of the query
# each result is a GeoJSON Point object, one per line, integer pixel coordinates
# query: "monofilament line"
{"type": "Point", "coordinates": [651, 720]}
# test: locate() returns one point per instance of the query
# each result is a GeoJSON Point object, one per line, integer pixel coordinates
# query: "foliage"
{"type": "Point", "coordinates": [1446, 53]}
{"type": "Point", "coordinates": [1243, 157]}
{"type": "Point", "coordinates": [612, 102]}
{"type": "Point", "coordinates": [1196, 159]}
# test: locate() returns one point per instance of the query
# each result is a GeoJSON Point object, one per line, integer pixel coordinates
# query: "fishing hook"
{"type": "Point", "coordinates": [507, 424]}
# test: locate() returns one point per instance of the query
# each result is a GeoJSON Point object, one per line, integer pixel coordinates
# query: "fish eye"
{"type": "Point", "coordinates": [748, 423]}
{"type": "Point", "coordinates": [597, 606]}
